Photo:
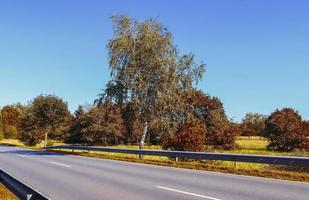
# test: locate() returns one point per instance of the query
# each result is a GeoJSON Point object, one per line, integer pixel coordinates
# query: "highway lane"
{"type": "Point", "coordinates": [65, 177]}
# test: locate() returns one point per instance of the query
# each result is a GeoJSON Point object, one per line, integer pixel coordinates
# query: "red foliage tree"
{"type": "Point", "coordinates": [10, 121]}
{"type": "Point", "coordinates": [306, 128]}
{"type": "Point", "coordinates": [284, 130]}
{"type": "Point", "coordinates": [190, 136]}
{"type": "Point", "coordinates": [221, 133]}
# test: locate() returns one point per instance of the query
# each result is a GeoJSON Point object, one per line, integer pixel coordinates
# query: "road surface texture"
{"type": "Point", "coordinates": [65, 177]}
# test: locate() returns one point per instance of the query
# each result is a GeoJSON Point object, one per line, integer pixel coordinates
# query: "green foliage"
{"type": "Point", "coordinates": [132, 124]}
{"type": "Point", "coordinates": [45, 114]}
{"type": "Point", "coordinates": [1, 135]}
{"type": "Point", "coordinates": [253, 124]}
{"type": "Point", "coordinates": [101, 125]}
{"type": "Point", "coordinates": [49, 111]}
{"type": "Point", "coordinates": [10, 132]}
{"type": "Point", "coordinates": [74, 136]}
{"type": "Point", "coordinates": [284, 130]}
{"type": "Point", "coordinates": [190, 136]}
{"type": "Point", "coordinates": [80, 111]}
{"type": "Point", "coordinates": [148, 72]}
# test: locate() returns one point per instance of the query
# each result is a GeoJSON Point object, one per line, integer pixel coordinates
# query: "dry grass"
{"type": "Point", "coordinates": [257, 145]}
{"type": "Point", "coordinates": [11, 142]}
{"type": "Point", "coordinates": [252, 143]}
{"type": "Point", "coordinates": [14, 142]}
{"type": "Point", "coordinates": [6, 194]}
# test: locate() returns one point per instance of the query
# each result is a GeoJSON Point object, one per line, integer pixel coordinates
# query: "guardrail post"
{"type": "Point", "coordinates": [29, 196]}
{"type": "Point", "coordinates": [140, 156]}
{"type": "Point", "coordinates": [235, 164]}
{"type": "Point", "coordinates": [176, 159]}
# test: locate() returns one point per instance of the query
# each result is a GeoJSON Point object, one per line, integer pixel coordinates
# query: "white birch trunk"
{"type": "Point", "coordinates": [142, 143]}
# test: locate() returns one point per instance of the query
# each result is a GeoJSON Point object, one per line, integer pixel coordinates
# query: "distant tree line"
{"type": "Point", "coordinates": [44, 115]}
{"type": "Point", "coordinates": [110, 124]}
{"type": "Point", "coordinates": [151, 98]}
{"type": "Point", "coordinates": [284, 129]}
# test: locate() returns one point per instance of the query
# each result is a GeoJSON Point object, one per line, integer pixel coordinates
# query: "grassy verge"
{"type": "Point", "coordinates": [17, 143]}
{"type": "Point", "coordinates": [6, 194]}
{"type": "Point", "coordinates": [11, 142]}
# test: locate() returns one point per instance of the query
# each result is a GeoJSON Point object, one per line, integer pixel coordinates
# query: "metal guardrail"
{"type": "Point", "coordinates": [275, 160]}
{"type": "Point", "coordinates": [21, 190]}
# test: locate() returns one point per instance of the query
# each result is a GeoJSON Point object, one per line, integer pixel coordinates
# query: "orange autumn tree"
{"type": "Point", "coordinates": [10, 121]}
{"type": "Point", "coordinates": [190, 136]}
{"type": "Point", "coordinates": [221, 132]}
{"type": "Point", "coordinates": [284, 130]}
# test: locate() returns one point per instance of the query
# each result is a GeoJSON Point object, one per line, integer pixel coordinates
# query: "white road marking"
{"type": "Point", "coordinates": [188, 193]}
{"type": "Point", "coordinates": [21, 155]}
{"type": "Point", "coordinates": [60, 164]}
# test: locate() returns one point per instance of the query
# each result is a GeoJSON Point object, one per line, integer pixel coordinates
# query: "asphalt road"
{"type": "Point", "coordinates": [65, 177]}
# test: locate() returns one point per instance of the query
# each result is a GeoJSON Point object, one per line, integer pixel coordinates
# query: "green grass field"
{"type": "Point", "coordinates": [257, 145]}
{"type": "Point", "coordinates": [254, 145]}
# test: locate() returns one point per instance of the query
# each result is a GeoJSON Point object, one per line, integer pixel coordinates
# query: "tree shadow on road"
{"type": "Point", "coordinates": [25, 152]}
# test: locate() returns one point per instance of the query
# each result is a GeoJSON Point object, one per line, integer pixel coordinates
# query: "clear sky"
{"type": "Point", "coordinates": [257, 51]}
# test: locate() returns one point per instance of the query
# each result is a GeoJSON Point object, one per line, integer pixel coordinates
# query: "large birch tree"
{"type": "Point", "coordinates": [148, 72]}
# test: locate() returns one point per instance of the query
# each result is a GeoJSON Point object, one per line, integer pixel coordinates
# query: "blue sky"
{"type": "Point", "coordinates": [256, 51]}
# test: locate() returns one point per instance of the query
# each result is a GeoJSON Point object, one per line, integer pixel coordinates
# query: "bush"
{"type": "Point", "coordinates": [10, 116]}
{"type": "Point", "coordinates": [1, 135]}
{"type": "Point", "coordinates": [222, 137]}
{"type": "Point", "coordinates": [10, 132]}
{"type": "Point", "coordinates": [284, 130]}
{"type": "Point", "coordinates": [189, 137]}
{"type": "Point", "coordinates": [221, 133]}
{"type": "Point", "coordinates": [99, 126]}
{"type": "Point", "coordinates": [31, 137]}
